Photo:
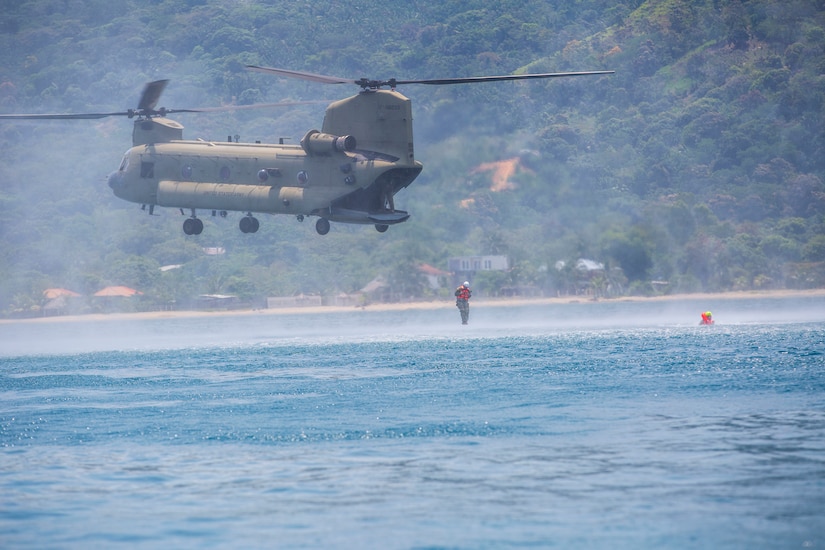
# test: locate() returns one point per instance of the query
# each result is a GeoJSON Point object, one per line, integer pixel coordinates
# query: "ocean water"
{"type": "Point", "coordinates": [592, 425]}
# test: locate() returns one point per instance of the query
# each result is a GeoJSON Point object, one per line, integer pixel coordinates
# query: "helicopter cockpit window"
{"type": "Point", "coordinates": [147, 169]}
{"type": "Point", "coordinates": [124, 164]}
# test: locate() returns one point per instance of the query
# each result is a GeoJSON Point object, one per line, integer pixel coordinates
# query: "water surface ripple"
{"type": "Point", "coordinates": [403, 430]}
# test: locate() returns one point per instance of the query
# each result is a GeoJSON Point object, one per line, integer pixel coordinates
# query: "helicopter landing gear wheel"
{"type": "Point", "coordinates": [322, 226]}
{"type": "Point", "coordinates": [249, 224]}
{"type": "Point", "coordinates": [193, 226]}
{"type": "Point", "coordinates": [381, 228]}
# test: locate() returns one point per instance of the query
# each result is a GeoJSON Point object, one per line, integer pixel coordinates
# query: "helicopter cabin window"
{"type": "Point", "coordinates": [147, 169]}
{"type": "Point", "coordinates": [124, 164]}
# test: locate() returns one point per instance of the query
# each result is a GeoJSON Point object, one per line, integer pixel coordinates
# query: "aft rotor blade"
{"type": "Point", "coordinates": [302, 75]}
{"type": "Point", "coordinates": [246, 107]}
{"type": "Point", "coordinates": [392, 83]}
{"type": "Point", "coordinates": [474, 79]}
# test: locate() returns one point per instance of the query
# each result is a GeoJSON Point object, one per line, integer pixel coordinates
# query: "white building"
{"type": "Point", "coordinates": [473, 264]}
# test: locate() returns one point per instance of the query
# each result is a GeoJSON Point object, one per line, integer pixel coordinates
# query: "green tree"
{"type": "Point", "coordinates": [631, 251]}
{"type": "Point", "coordinates": [814, 249]}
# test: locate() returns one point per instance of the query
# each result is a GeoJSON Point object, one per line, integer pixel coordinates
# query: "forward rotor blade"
{"type": "Point", "coordinates": [80, 116]}
{"type": "Point", "coordinates": [148, 99]}
{"type": "Point", "coordinates": [151, 94]}
{"type": "Point", "coordinates": [474, 79]}
{"type": "Point", "coordinates": [161, 112]}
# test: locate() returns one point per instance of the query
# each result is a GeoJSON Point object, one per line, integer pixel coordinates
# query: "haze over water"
{"type": "Point", "coordinates": [600, 425]}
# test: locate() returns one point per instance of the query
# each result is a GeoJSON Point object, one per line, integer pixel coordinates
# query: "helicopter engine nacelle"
{"type": "Point", "coordinates": [316, 143]}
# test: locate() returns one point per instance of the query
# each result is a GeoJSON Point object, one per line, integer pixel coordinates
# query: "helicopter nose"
{"type": "Point", "coordinates": [116, 180]}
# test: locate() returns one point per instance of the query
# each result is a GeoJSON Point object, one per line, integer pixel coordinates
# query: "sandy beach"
{"type": "Point", "coordinates": [711, 298]}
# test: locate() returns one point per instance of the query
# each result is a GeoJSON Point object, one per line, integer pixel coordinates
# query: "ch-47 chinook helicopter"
{"type": "Point", "coordinates": [347, 172]}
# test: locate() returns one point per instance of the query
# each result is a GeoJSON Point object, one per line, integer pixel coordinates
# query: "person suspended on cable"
{"type": "Point", "coordinates": [462, 301]}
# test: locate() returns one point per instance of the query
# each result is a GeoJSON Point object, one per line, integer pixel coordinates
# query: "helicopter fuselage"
{"type": "Point", "coordinates": [328, 175]}
{"type": "Point", "coordinates": [275, 179]}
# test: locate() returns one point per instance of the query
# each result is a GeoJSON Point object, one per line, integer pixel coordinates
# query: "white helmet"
{"type": "Point", "coordinates": [466, 283]}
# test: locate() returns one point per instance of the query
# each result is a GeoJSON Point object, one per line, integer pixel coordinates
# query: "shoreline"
{"type": "Point", "coordinates": [422, 305]}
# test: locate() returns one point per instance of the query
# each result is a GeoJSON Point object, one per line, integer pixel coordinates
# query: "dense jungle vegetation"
{"type": "Point", "coordinates": [699, 164]}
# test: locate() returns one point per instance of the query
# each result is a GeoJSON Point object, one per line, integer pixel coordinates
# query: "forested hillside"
{"type": "Point", "coordinates": [699, 164]}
